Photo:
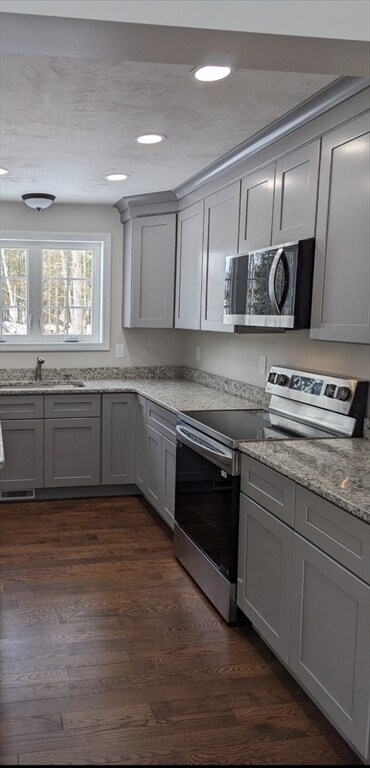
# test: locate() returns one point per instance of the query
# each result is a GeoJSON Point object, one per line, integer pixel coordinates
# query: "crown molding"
{"type": "Point", "coordinates": [321, 102]}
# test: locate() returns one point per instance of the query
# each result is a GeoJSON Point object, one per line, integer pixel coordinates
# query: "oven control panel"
{"type": "Point", "coordinates": [327, 391]}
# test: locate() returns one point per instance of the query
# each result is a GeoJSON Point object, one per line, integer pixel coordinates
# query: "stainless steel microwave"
{"type": "Point", "coordinates": [270, 287]}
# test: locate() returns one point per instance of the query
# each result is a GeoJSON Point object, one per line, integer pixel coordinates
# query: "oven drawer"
{"type": "Point", "coordinates": [338, 533]}
{"type": "Point", "coordinates": [269, 488]}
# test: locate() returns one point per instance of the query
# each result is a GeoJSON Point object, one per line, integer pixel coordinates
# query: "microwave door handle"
{"type": "Point", "coordinates": [272, 278]}
{"type": "Point", "coordinates": [202, 448]}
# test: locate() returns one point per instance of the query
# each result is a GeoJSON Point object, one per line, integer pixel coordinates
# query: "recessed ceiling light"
{"type": "Point", "coordinates": [116, 176]}
{"type": "Point", "coordinates": [3, 171]}
{"type": "Point", "coordinates": [210, 73]}
{"type": "Point", "coordinates": [150, 138]}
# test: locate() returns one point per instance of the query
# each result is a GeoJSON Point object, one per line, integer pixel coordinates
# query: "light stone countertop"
{"type": "Point", "coordinates": [336, 469]}
{"type": "Point", "coordinates": [180, 395]}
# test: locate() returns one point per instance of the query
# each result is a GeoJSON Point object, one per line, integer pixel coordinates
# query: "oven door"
{"type": "Point", "coordinates": [207, 506]}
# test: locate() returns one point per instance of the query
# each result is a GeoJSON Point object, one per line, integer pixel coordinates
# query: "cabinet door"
{"type": "Point", "coordinates": [329, 647]}
{"type": "Point", "coordinates": [221, 218]}
{"type": "Point", "coordinates": [341, 296]}
{"type": "Point", "coordinates": [141, 444]}
{"type": "Point", "coordinates": [169, 481]}
{"type": "Point", "coordinates": [153, 271]}
{"type": "Point", "coordinates": [72, 452]}
{"type": "Point", "coordinates": [118, 439]}
{"type": "Point", "coordinates": [257, 197]}
{"type": "Point", "coordinates": [154, 489]}
{"type": "Point", "coordinates": [189, 266]}
{"type": "Point", "coordinates": [23, 450]}
{"type": "Point", "coordinates": [295, 201]}
{"type": "Point", "coordinates": [264, 574]}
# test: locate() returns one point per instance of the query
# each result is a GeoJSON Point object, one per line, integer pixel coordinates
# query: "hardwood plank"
{"type": "Point", "coordinates": [111, 654]}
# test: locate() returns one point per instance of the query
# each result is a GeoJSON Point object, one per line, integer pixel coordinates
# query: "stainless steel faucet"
{"type": "Point", "coordinates": [38, 369]}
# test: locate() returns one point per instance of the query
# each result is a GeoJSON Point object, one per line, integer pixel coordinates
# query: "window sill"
{"type": "Point", "coordinates": [79, 346]}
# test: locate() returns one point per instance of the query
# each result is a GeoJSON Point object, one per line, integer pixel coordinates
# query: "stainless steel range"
{"type": "Point", "coordinates": [303, 405]}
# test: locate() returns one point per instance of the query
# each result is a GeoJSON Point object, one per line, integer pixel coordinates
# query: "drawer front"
{"type": "Point", "coordinates": [269, 488]}
{"type": "Point", "coordinates": [161, 419]}
{"type": "Point", "coordinates": [21, 407]}
{"type": "Point", "coordinates": [71, 406]}
{"type": "Point", "coordinates": [338, 533]}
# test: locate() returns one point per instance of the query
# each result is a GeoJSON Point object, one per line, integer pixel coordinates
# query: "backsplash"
{"type": "Point", "coordinates": [232, 386]}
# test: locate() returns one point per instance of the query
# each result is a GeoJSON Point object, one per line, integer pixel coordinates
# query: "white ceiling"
{"type": "Point", "coordinates": [67, 122]}
{"type": "Point", "coordinates": [73, 99]}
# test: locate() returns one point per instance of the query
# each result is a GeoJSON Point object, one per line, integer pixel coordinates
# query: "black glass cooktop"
{"type": "Point", "coordinates": [231, 427]}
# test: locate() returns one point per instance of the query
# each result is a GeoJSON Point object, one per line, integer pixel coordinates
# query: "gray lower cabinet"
{"type": "Point", "coordinates": [161, 475]}
{"type": "Point", "coordinates": [118, 439]}
{"type": "Point", "coordinates": [141, 442]}
{"type": "Point", "coordinates": [264, 574]}
{"type": "Point", "coordinates": [154, 489]}
{"type": "Point", "coordinates": [169, 481]}
{"type": "Point", "coordinates": [149, 271]}
{"type": "Point", "coordinates": [329, 648]}
{"type": "Point", "coordinates": [156, 457]}
{"type": "Point", "coordinates": [221, 227]}
{"type": "Point", "coordinates": [306, 589]}
{"type": "Point", "coordinates": [341, 297]}
{"type": "Point", "coordinates": [23, 449]}
{"type": "Point", "coordinates": [71, 452]}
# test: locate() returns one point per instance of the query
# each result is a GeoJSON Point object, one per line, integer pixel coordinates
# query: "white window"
{"type": "Point", "coordinates": [54, 291]}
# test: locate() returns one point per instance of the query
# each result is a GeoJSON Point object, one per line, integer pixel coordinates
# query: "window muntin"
{"type": "Point", "coordinates": [63, 288]}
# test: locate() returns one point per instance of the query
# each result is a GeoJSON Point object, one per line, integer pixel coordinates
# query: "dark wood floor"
{"type": "Point", "coordinates": [111, 655]}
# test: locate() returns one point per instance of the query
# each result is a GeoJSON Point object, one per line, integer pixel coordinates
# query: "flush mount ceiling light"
{"type": "Point", "coordinates": [116, 176]}
{"type": "Point", "coordinates": [210, 73]}
{"type": "Point", "coordinates": [150, 138]}
{"type": "Point", "coordinates": [38, 201]}
{"type": "Point", "coordinates": [3, 171]}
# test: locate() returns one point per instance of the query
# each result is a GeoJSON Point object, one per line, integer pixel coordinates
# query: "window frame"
{"type": "Point", "coordinates": [101, 290]}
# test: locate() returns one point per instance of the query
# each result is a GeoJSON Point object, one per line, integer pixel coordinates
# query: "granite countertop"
{"type": "Point", "coordinates": [180, 395]}
{"type": "Point", "coordinates": [336, 469]}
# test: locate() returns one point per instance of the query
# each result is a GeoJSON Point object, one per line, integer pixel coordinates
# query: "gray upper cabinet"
{"type": "Point", "coordinates": [118, 439]}
{"type": "Point", "coordinates": [149, 271]}
{"type": "Point", "coordinates": [256, 205]}
{"type": "Point", "coordinates": [295, 201]}
{"type": "Point", "coordinates": [221, 227]}
{"type": "Point", "coordinates": [341, 294]}
{"type": "Point", "coordinates": [189, 266]}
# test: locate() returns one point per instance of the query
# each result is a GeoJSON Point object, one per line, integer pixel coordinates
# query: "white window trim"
{"type": "Point", "coordinates": [105, 286]}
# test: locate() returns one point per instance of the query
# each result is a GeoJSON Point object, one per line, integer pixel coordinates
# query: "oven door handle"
{"type": "Point", "coordinates": [186, 436]}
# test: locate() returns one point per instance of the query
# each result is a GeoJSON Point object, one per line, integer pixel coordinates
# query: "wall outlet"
{"type": "Point", "coordinates": [197, 351]}
{"type": "Point", "coordinates": [120, 350]}
{"type": "Point", "coordinates": [263, 363]}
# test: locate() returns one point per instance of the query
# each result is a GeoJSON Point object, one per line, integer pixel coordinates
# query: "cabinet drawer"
{"type": "Point", "coordinates": [273, 491]}
{"type": "Point", "coordinates": [21, 407]}
{"type": "Point", "coordinates": [161, 419]}
{"type": "Point", "coordinates": [338, 533]}
{"type": "Point", "coordinates": [71, 406]}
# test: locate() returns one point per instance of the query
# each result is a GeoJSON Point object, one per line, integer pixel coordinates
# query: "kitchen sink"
{"type": "Point", "coordinates": [40, 384]}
